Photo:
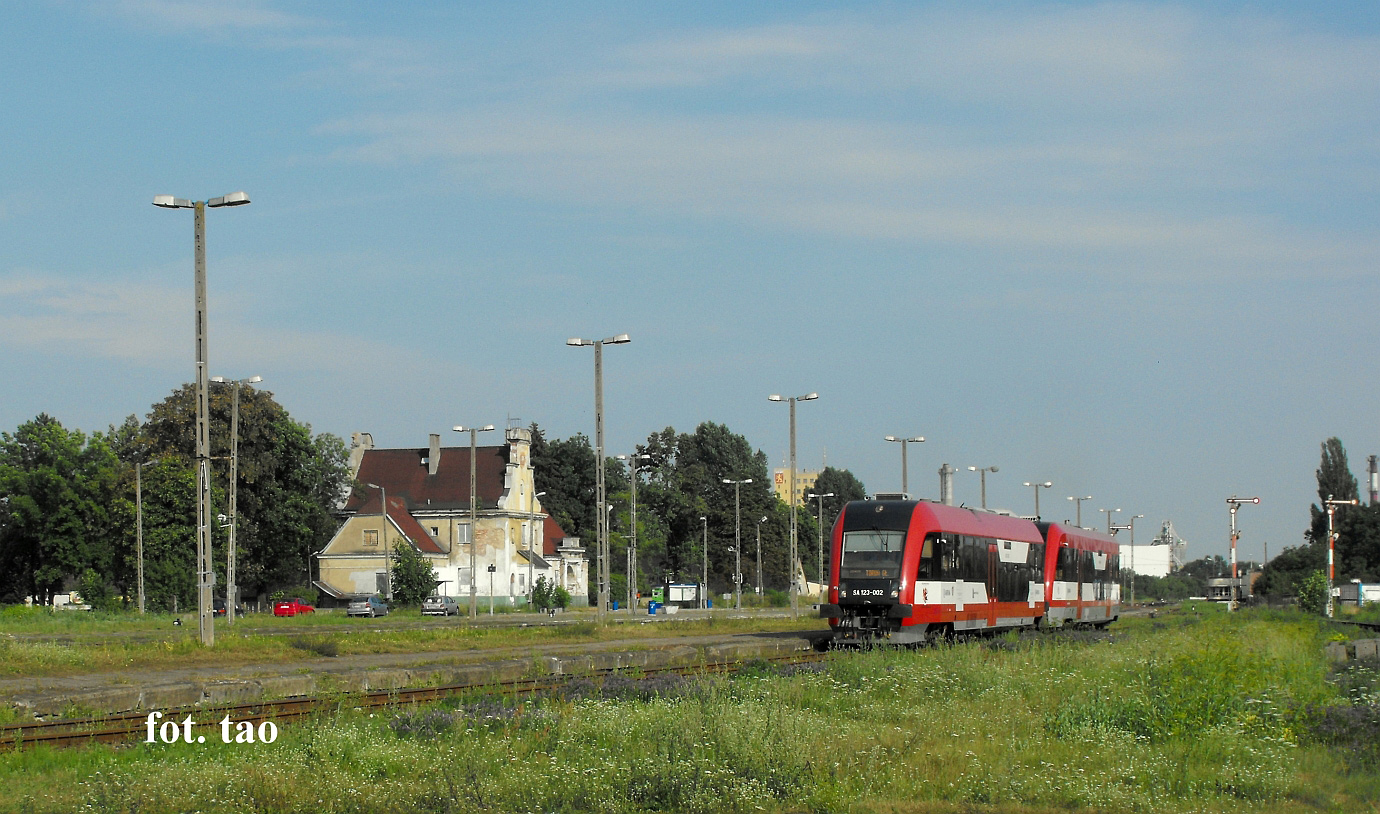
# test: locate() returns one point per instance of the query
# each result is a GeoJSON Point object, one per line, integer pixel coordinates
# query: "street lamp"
{"type": "Point", "coordinates": [1038, 486]}
{"type": "Point", "coordinates": [759, 555]}
{"type": "Point", "coordinates": [206, 574]}
{"type": "Point", "coordinates": [633, 465]}
{"type": "Point", "coordinates": [794, 554]}
{"type": "Point", "coordinates": [231, 589]}
{"type": "Point", "coordinates": [531, 540]}
{"type": "Point", "coordinates": [905, 485]}
{"type": "Point", "coordinates": [139, 526]}
{"type": "Point", "coordinates": [1331, 544]}
{"type": "Point", "coordinates": [982, 471]}
{"type": "Point", "coordinates": [1109, 518]}
{"type": "Point", "coordinates": [1131, 527]}
{"type": "Point", "coordinates": [704, 564]}
{"type": "Point", "coordinates": [1079, 502]}
{"type": "Point", "coordinates": [601, 530]}
{"type": "Point", "coordinates": [1233, 504]}
{"type": "Point", "coordinates": [737, 541]}
{"type": "Point", "coordinates": [820, 522]}
{"type": "Point", "coordinates": [383, 540]}
{"type": "Point", "coordinates": [474, 509]}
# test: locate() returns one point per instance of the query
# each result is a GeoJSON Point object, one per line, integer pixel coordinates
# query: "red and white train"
{"type": "Point", "coordinates": [907, 572]}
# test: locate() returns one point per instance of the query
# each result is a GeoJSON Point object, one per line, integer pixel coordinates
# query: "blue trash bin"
{"type": "Point", "coordinates": [709, 603]}
{"type": "Point", "coordinates": [651, 607]}
{"type": "Point", "coordinates": [615, 604]}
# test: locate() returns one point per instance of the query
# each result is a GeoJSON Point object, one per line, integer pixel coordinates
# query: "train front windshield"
{"type": "Point", "coordinates": [872, 554]}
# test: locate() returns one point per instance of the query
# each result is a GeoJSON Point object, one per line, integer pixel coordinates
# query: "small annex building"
{"type": "Point", "coordinates": [428, 494]}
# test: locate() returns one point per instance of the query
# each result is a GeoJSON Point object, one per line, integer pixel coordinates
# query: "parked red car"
{"type": "Point", "coordinates": [292, 607]}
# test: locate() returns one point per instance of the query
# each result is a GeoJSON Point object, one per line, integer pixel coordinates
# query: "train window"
{"type": "Point", "coordinates": [873, 553]}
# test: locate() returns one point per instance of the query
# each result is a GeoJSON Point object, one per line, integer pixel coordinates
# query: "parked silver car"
{"type": "Point", "coordinates": [369, 606]}
{"type": "Point", "coordinates": [440, 606]}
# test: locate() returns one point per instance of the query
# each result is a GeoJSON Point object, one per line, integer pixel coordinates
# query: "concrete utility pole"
{"type": "Point", "coordinates": [737, 541]}
{"type": "Point", "coordinates": [759, 555]}
{"type": "Point", "coordinates": [474, 511]}
{"type": "Point", "coordinates": [231, 587]}
{"type": "Point", "coordinates": [983, 470]}
{"type": "Point", "coordinates": [820, 524]}
{"type": "Point", "coordinates": [794, 550]}
{"type": "Point", "coordinates": [139, 526]}
{"type": "Point", "coordinates": [205, 571]}
{"type": "Point", "coordinates": [704, 565]}
{"type": "Point", "coordinates": [634, 463]}
{"type": "Point", "coordinates": [383, 539]}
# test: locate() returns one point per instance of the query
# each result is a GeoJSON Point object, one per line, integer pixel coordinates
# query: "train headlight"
{"type": "Point", "coordinates": [843, 592]}
{"type": "Point", "coordinates": [895, 593]}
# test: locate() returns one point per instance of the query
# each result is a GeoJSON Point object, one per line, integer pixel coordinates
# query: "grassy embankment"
{"type": "Point", "coordinates": [1187, 712]}
{"type": "Point", "coordinates": [126, 643]}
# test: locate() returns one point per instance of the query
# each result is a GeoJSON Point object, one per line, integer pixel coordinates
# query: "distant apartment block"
{"type": "Point", "coordinates": [804, 484]}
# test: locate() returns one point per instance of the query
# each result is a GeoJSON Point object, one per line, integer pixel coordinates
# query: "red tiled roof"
{"type": "Point", "coordinates": [551, 533]}
{"type": "Point", "coordinates": [397, 512]}
{"type": "Point", "coordinates": [403, 472]}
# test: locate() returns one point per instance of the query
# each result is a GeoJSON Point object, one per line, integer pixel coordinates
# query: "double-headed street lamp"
{"type": "Point", "coordinates": [982, 471]}
{"type": "Point", "coordinates": [1038, 486]}
{"type": "Point", "coordinates": [737, 541]}
{"type": "Point", "coordinates": [905, 484]}
{"type": "Point", "coordinates": [759, 554]}
{"type": "Point", "coordinates": [206, 574]}
{"type": "Point", "coordinates": [1131, 526]}
{"type": "Point", "coordinates": [794, 552]}
{"type": "Point", "coordinates": [1079, 501]}
{"type": "Point", "coordinates": [231, 589]}
{"type": "Point", "coordinates": [1331, 545]}
{"type": "Point", "coordinates": [601, 524]}
{"type": "Point", "coordinates": [1109, 517]}
{"type": "Point", "coordinates": [474, 510]}
{"type": "Point", "coordinates": [820, 522]}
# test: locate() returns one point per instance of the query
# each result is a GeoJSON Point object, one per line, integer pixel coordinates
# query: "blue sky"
{"type": "Point", "coordinates": [1128, 248]}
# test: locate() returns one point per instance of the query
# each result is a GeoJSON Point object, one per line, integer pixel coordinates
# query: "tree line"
{"type": "Point", "coordinates": [68, 512]}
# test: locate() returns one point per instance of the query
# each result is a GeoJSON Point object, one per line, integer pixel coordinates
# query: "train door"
{"type": "Point", "coordinates": [993, 563]}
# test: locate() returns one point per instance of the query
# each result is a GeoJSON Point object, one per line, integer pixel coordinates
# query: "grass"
{"type": "Point", "coordinates": [166, 647]}
{"type": "Point", "coordinates": [1184, 713]}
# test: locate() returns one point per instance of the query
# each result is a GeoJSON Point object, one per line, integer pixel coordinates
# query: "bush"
{"type": "Point", "coordinates": [546, 594]}
{"type": "Point", "coordinates": [1313, 592]}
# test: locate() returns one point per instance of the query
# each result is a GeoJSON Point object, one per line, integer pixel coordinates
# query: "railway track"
{"type": "Point", "coordinates": [124, 727]}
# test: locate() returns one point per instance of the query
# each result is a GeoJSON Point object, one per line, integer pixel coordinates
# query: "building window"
{"type": "Point", "coordinates": [462, 533]}
{"type": "Point", "coordinates": [435, 532]}
{"type": "Point", "coordinates": [371, 537]}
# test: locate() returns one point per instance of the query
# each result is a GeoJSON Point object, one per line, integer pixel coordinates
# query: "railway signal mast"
{"type": "Point", "coordinates": [1235, 503]}
{"type": "Point", "coordinates": [1331, 545]}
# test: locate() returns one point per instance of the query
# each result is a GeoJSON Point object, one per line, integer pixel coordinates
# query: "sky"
{"type": "Point", "coordinates": [1127, 248]}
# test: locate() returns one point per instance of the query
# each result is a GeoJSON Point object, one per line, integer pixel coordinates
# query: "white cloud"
{"type": "Point", "coordinates": [147, 324]}
{"type": "Point", "coordinates": [204, 15]}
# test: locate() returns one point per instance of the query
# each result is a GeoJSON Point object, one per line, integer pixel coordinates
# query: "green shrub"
{"type": "Point", "coordinates": [1313, 592]}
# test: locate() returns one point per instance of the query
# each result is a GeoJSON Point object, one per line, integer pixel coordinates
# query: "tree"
{"type": "Point", "coordinates": [290, 480]}
{"type": "Point", "coordinates": [56, 486]}
{"type": "Point", "coordinates": [413, 577]}
{"type": "Point", "coordinates": [564, 470]}
{"type": "Point", "coordinates": [1335, 482]}
{"type": "Point", "coordinates": [1313, 591]}
{"type": "Point", "coordinates": [546, 594]}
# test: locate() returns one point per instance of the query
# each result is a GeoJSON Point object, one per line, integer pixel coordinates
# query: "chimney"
{"type": "Point", "coordinates": [360, 442]}
{"type": "Point", "coordinates": [433, 460]}
{"type": "Point", "coordinates": [946, 484]}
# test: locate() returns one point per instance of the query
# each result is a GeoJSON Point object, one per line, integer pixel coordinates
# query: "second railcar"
{"type": "Point", "coordinates": [1082, 576]}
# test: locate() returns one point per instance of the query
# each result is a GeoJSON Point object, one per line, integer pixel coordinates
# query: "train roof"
{"type": "Point", "coordinates": [956, 519]}
{"type": "Point", "coordinates": [1065, 534]}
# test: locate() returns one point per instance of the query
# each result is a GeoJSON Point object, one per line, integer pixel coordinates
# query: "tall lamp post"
{"type": "Point", "coordinates": [634, 463]}
{"type": "Point", "coordinates": [1038, 486]}
{"type": "Point", "coordinates": [1331, 545]}
{"type": "Point", "coordinates": [1079, 510]}
{"type": "Point", "coordinates": [474, 509]}
{"type": "Point", "coordinates": [794, 550]}
{"type": "Point", "coordinates": [231, 588]}
{"type": "Point", "coordinates": [704, 564]}
{"type": "Point", "coordinates": [759, 555]}
{"type": "Point", "coordinates": [905, 485]}
{"type": "Point", "coordinates": [982, 471]}
{"type": "Point", "coordinates": [820, 523]}
{"type": "Point", "coordinates": [383, 540]}
{"type": "Point", "coordinates": [601, 531]}
{"type": "Point", "coordinates": [206, 574]}
{"type": "Point", "coordinates": [531, 540]}
{"type": "Point", "coordinates": [1233, 504]}
{"type": "Point", "coordinates": [1131, 527]}
{"type": "Point", "coordinates": [737, 541]}
{"type": "Point", "coordinates": [139, 526]}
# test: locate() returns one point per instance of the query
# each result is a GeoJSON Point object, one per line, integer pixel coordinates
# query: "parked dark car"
{"type": "Point", "coordinates": [292, 607]}
{"type": "Point", "coordinates": [440, 606]}
{"type": "Point", "coordinates": [369, 606]}
{"type": "Point", "coordinates": [218, 608]}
